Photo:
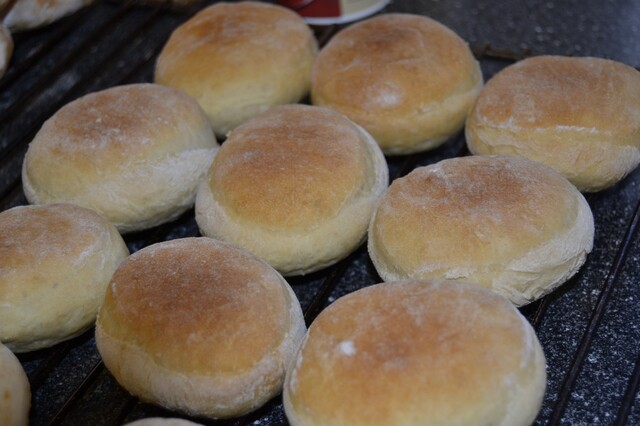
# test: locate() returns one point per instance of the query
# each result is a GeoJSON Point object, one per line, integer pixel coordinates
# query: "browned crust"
{"type": "Point", "coordinates": [290, 168]}
{"type": "Point", "coordinates": [416, 352]}
{"type": "Point", "coordinates": [197, 306]}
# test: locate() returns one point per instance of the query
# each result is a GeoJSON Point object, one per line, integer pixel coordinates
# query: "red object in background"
{"type": "Point", "coordinates": [314, 8]}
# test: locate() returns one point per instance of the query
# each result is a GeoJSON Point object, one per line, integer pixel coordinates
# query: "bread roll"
{"type": "Point", "coordinates": [199, 326]}
{"type": "Point", "coordinates": [14, 389]}
{"type": "Point", "coordinates": [29, 14]}
{"type": "Point", "coordinates": [6, 49]}
{"type": "Point", "coordinates": [296, 186]}
{"type": "Point", "coordinates": [55, 263]}
{"type": "Point", "coordinates": [417, 353]}
{"type": "Point", "coordinates": [580, 116]}
{"type": "Point", "coordinates": [506, 223]}
{"type": "Point", "coordinates": [408, 80]}
{"type": "Point", "coordinates": [239, 59]}
{"type": "Point", "coordinates": [157, 421]}
{"type": "Point", "coordinates": [135, 154]}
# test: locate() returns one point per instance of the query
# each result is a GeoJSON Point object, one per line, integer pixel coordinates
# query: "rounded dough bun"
{"type": "Point", "coordinates": [417, 353]}
{"type": "Point", "coordinates": [15, 394]}
{"type": "Point", "coordinates": [239, 59]}
{"type": "Point", "coordinates": [580, 116]}
{"type": "Point", "coordinates": [296, 186]}
{"type": "Point", "coordinates": [199, 326]}
{"type": "Point", "coordinates": [6, 49]}
{"type": "Point", "coordinates": [55, 263]}
{"type": "Point", "coordinates": [135, 154]}
{"type": "Point", "coordinates": [506, 223]}
{"type": "Point", "coordinates": [158, 421]}
{"type": "Point", "coordinates": [407, 79]}
{"type": "Point", "coordinates": [29, 14]}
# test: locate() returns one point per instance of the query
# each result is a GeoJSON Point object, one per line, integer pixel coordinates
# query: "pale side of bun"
{"type": "Point", "coordinates": [55, 263]}
{"type": "Point", "coordinates": [28, 14]}
{"type": "Point", "coordinates": [199, 326]}
{"type": "Point", "coordinates": [417, 353]}
{"type": "Point", "coordinates": [6, 49]}
{"type": "Point", "coordinates": [158, 421]}
{"type": "Point", "coordinates": [296, 186]}
{"type": "Point", "coordinates": [239, 59]}
{"type": "Point", "coordinates": [580, 116]}
{"type": "Point", "coordinates": [506, 223]}
{"type": "Point", "coordinates": [135, 154]}
{"type": "Point", "coordinates": [408, 80]}
{"type": "Point", "coordinates": [15, 393]}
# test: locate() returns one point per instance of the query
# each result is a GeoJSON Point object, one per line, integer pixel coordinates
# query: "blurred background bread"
{"type": "Point", "coordinates": [135, 154]}
{"type": "Point", "coordinates": [55, 263]}
{"type": "Point", "coordinates": [417, 353]}
{"type": "Point", "coordinates": [29, 14]}
{"type": "Point", "coordinates": [15, 392]}
{"type": "Point", "coordinates": [199, 326]}
{"type": "Point", "coordinates": [6, 49]}
{"type": "Point", "coordinates": [506, 223]}
{"type": "Point", "coordinates": [580, 116]}
{"type": "Point", "coordinates": [296, 186]}
{"type": "Point", "coordinates": [407, 79]}
{"type": "Point", "coordinates": [239, 59]}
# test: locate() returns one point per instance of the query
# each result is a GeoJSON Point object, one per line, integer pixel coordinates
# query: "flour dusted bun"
{"type": "Point", "coordinates": [15, 392]}
{"type": "Point", "coordinates": [28, 14]}
{"type": "Point", "coordinates": [506, 223]}
{"type": "Point", "coordinates": [417, 353]}
{"type": "Point", "coordinates": [580, 116]}
{"type": "Point", "coordinates": [135, 154]}
{"type": "Point", "coordinates": [6, 49]}
{"type": "Point", "coordinates": [157, 421]}
{"type": "Point", "coordinates": [296, 186]}
{"type": "Point", "coordinates": [55, 263]}
{"type": "Point", "coordinates": [408, 80]}
{"type": "Point", "coordinates": [239, 59]}
{"type": "Point", "coordinates": [200, 326]}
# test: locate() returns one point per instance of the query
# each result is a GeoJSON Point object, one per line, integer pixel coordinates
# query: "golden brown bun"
{"type": "Point", "coordinates": [506, 223]}
{"type": "Point", "coordinates": [417, 353]}
{"type": "Point", "coordinates": [55, 263]}
{"type": "Point", "coordinates": [158, 421]}
{"type": "Point", "coordinates": [408, 80]}
{"type": "Point", "coordinates": [296, 186]}
{"type": "Point", "coordinates": [200, 326]}
{"type": "Point", "coordinates": [135, 154]}
{"type": "Point", "coordinates": [6, 49]}
{"type": "Point", "coordinates": [28, 14]}
{"type": "Point", "coordinates": [580, 116]}
{"type": "Point", "coordinates": [239, 59]}
{"type": "Point", "coordinates": [15, 393]}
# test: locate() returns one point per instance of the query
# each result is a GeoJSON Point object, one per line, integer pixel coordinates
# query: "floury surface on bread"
{"type": "Point", "coordinates": [15, 393]}
{"type": "Point", "coordinates": [199, 326]}
{"type": "Point", "coordinates": [434, 353]}
{"type": "Point", "coordinates": [55, 263]}
{"type": "Point", "coordinates": [296, 186]}
{"type": "Point", "coordinates": [580, 116]}
{"type": "Point", "coordinates": [506, 223]}
{"type": "Point", "coordinates": [135, 154]}
{"type": "Point", "coordinates": [239, 59]}
{"type": "Point", "coordinates": [407, 79]}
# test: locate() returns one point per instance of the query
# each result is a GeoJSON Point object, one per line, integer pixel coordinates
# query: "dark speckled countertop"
{"type": "Point", "coordinates": [589, 328]}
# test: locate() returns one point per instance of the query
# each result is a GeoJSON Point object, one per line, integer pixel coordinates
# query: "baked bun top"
{"type": "Point", "coordinates": [417, 352]}
{"type": "Point", "coordinates": [198, 306]}
{"type": "Point", "coordinates": [15, 391]}
{"type": "Point", "coordinates": [134, 153]}
{"type": "Point", "coordinates": [407, 79]}
{"type": "Point", "coordinates": [237, 59]}
{"type": "Point", "coordinates": [503, 222]}
{"type": "Point", "coordinates": [291, 168]}
{"type": "Point", "coordinates": [587, 94]}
